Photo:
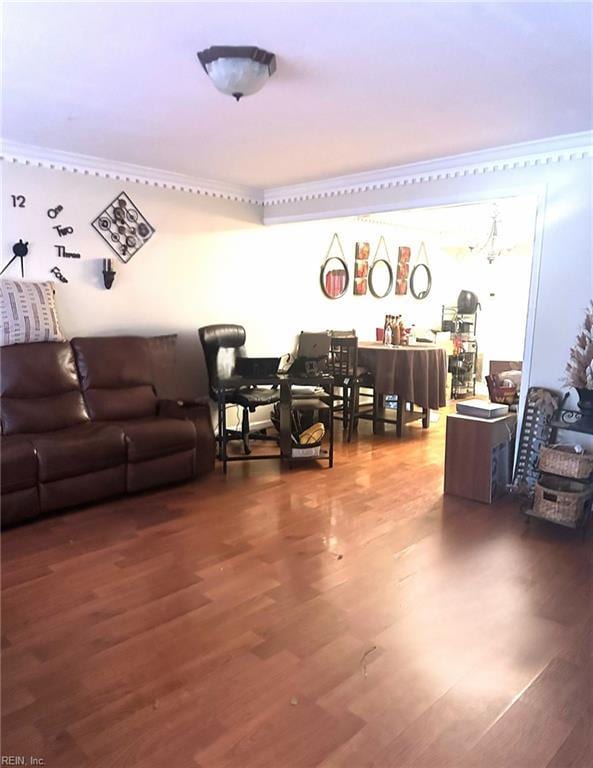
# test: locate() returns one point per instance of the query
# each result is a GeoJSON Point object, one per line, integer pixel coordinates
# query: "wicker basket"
{"type": "Point", "coordinates": [561, 501]}
{"type": "Point", "coordinates": [563, 460]}
{"type": "Point", "coordinates": [311, 451]}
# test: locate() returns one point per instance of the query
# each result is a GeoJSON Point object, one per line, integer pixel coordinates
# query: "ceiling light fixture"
{"type": "Point", "coordinates": [238, 70]}
{"type": "Point", "coordinates": [493, 246]}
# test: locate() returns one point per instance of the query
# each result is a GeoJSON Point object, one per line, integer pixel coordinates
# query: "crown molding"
{"type": "Point", "coordinates": [576, 146]}
{"type": "Point", "coordinates": [570, 147]}
{"type": "Point", "coordinates": [87, 165]}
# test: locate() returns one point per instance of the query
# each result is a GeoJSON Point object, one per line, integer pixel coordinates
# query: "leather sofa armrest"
{"type": "Point", "coordinates": [197, 411]}
{"type": "Point", "coordinates": [183, 409]}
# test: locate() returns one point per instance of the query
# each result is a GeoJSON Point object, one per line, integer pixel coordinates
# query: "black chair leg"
{"type": "Point", "coordinates": [346, 388]}
{"type": "Point", "coordinates": [353, 408]}
{"type": "Point", "coordinates": [245, 431]}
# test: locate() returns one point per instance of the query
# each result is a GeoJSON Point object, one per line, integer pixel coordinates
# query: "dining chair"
{"type": "Point", "coordinates": [349, 378]}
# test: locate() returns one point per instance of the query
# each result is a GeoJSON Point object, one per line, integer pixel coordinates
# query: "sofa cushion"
{"type": "Point", "coordinates": [152, 438]}
{"type": "Point", "coordinates": [79, 450]}
{"type": "Point", "coordinates": [118, 404]}
{"type": "Point", "coordinates": [38, 370]}
{"type": "Point", "coordinates": [42, 414]}
{"type": "Point", "coordinates": [18, 462]}
{"type": "Point", "coordinates": [116, 377]}
{"type": "Point", "coordinates": [39, 388]}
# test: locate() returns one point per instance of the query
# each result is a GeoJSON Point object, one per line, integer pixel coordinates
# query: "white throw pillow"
{"type": "Point", "coordinates": [28, 313]}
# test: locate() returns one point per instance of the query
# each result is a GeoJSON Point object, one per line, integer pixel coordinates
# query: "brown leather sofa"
{"type": "Point", "coordinates": [81, 422]}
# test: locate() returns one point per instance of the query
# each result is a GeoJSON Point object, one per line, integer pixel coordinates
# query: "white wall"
{"type": "Point", "coordinates": [211, 261]}
{"type": "Point", "coordinates": [564, 239]}
{"type": "Point", "coordinates": [178, 281]}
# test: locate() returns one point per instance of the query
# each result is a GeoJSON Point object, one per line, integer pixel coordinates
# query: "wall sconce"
{"type": "Point", "coordinates": [108, 273]}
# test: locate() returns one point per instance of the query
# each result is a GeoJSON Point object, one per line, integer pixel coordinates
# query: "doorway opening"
{"type": "Point", "coordinates": [462, 277]}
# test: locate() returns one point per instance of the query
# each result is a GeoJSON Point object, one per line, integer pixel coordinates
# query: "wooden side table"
{"type": "Point", "coordinates": [479, 456]}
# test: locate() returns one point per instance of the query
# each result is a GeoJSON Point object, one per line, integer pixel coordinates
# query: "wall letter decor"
{"type": "Point", "coordinates": [63, 231]}
{"type": "Point", "coordinates": [53, 212]}
{"type": "Point", "coordinates": [64, 254]}
{"type": "Point", "coordinates": [57, 273]}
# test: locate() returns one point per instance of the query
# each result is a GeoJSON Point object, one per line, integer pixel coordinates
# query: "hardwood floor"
{"type": "Point", "coordinates": [345, 618]}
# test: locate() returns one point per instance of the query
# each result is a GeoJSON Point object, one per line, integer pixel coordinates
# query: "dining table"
{"type": "Point", "coordinates": [415, 373]}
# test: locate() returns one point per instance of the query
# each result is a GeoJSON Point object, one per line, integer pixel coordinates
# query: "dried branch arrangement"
{"type": "Point", "coordinates": [579, 369]}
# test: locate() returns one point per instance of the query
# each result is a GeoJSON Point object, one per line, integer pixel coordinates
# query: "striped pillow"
{"type": "Point", "coordinates": [28, 313]}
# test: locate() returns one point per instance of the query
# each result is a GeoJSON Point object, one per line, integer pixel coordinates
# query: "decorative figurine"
{"type": "Point", "coordinates": [20, 250]}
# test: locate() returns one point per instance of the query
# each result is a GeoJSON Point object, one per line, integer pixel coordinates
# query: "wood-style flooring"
{"type": "Point", "coordinates": [344, 618]}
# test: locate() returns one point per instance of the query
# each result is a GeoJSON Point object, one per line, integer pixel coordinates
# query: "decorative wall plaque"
{"type": "Point", "coordinates": [123, 227]}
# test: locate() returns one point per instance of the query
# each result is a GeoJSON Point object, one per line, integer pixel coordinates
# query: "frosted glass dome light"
{"type": "Point", "coordinates": [237, 70]}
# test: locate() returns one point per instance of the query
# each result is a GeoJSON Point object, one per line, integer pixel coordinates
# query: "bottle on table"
{"type": "Point", "coordinates": [396, 331]}
{"type": "Point", "coordinates": [388, 332]}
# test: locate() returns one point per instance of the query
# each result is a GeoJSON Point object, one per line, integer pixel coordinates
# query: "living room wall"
{"type": "Point", "coordinates": [210, 260]}
{"type": "Point", "coordinates": [176, 282]}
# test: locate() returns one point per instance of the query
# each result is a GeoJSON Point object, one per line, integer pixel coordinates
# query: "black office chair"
{"type": "Point", "coordinates": [222, 344]}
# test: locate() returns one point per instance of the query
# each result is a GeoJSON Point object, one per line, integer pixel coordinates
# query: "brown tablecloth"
{"type": "Point", "coordinates": [417, 374]}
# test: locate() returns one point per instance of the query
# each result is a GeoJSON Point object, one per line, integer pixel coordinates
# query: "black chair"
{"type": "Point", "coordinates": [350, 378]}
{"type": "Point", "coordinates": [305, 391]}
{"type": "Point", "coordinates": [222, 345]}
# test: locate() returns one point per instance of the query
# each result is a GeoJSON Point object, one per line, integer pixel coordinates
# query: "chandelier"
{"type": "Point", "coordinates": [493, 246]}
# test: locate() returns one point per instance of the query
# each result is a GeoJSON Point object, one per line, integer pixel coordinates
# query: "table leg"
{"type": "Point", "coordinates": [346, 412]}
{"type": "Point", "coordinates": [378, 408]}
{"type": "Point", "coordinates": [425, 418]}
{"type": "Point", "coordinates": [222, 433]}
{"type": "Point", "coordinates": [401, 416]}
{"type": "Point", "coordinates": [331, 427]}
{"type": "Point", "coordinates": [285, 421]}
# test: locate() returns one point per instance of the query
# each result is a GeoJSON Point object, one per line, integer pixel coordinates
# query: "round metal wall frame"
{"type": "Point", "coordinates": [421, 294]}
{"type": "Point", "coordinates": [375, 293]}
{"type": "Point", "coordinates": [322, 275]}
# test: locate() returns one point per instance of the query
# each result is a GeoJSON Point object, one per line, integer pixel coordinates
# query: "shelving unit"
{"type": "Point", "coordinates": [567, 420]}
{"type": "Point", "coordinates": [462, 363]}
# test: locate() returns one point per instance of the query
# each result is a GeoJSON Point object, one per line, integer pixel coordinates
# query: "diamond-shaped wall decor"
{"type": "Point", "coordinates": [123, 227]}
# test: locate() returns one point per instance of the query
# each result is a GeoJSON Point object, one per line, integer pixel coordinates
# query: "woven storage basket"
{"type": "Point", "coordinates": [562, 460]}
{"type": "Point", "coordinates": [561, 501]}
